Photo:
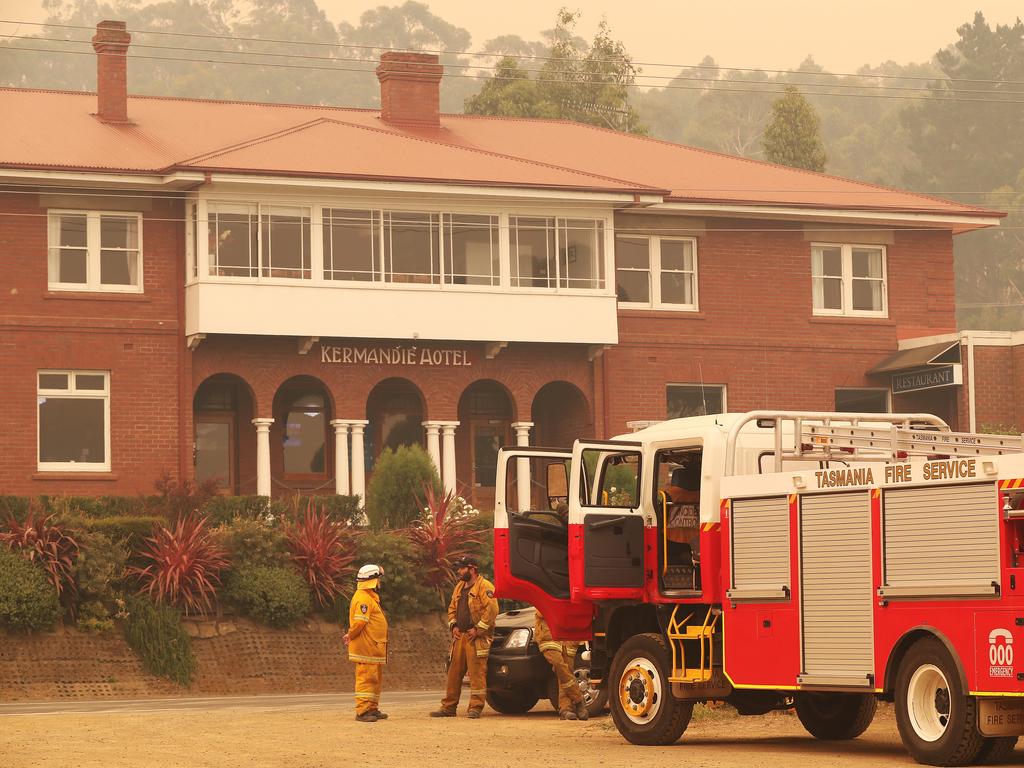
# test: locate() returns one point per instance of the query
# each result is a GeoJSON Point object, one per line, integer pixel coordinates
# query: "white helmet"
{"type": "Point", "coordinates": [369, 573]}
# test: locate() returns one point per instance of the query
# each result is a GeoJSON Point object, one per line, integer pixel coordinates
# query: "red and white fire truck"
{"type": "Point", "coordinates": [819, 561]}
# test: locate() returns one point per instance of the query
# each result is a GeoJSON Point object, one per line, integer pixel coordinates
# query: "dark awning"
{"type": "Point", "coordinates": [942, 353]}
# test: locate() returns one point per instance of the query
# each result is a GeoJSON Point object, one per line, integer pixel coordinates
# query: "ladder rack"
{"type": "Point", "coordinates": [826, 436]}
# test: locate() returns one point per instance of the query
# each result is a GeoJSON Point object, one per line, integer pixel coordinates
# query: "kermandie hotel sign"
{"type": "Point", "coordinates": [396, 355]}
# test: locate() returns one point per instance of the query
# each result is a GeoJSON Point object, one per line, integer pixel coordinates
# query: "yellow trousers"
{"type": "Point", "coordinates": [471, 656]}
{"type": "Point", "coordinates": [561, 662]}
{"type": "Point", "coordinates": [369, 683]}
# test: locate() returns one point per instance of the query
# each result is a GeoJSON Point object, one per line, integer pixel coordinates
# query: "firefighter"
{"type": "Point", "coordinates": [561, 655]}
{"type": "Point", "coordinates": [367, 641]}
{"type": "Point", "coordinates": [471, 615]}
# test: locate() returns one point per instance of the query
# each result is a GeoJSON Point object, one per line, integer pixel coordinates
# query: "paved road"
{"type": "Point", "coordinates": [317, 701]}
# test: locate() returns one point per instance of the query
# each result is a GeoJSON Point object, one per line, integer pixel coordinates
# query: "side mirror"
{"type": "Point", "coordinates": [558, 484]}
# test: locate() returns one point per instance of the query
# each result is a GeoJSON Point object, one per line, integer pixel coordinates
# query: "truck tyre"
{"type": "Point", "coordinates": [996, 750]}
{"type": "Point", "coordinates": [640, 696]}
{"type": "Point", "coordinates": [936, 718]}
{"type": "Point", "coordinates": [835, 716]}
{"type": "Point", "coordinates": [511, 702]}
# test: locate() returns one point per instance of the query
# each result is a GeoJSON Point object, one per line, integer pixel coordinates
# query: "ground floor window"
{"type": "Point", "coordinates": [304, 435]}
{"type": "Point", "coordinates": [74, 420]}
{"type": "Point", "coordinates": [694, 399]}
{"type": "Point", "coordinates": [862, 400]}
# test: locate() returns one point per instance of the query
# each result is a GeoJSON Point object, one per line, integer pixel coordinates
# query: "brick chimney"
{"type": "Point", "coordinates": [111, 45]}
{"type": "Point", "coordinates": [410, 89]}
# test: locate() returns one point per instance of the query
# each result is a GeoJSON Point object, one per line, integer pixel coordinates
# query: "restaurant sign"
{"type": "Point", "coordinates": [932, 377]}
{"type": "Point", "coordinates": [396, 355]}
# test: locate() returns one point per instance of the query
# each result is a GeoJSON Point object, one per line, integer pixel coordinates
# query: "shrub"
{"type": "Point", "coordinates": [441, 538]}
{"type": "Point", "coordinates": [93, 616]}
{"type": "Point", "coordinates": [45, 542]}
{"type": "Point", "coordinates": [99, 573]}
{"type": "Point", "coordinates": [14, 508]}
{"type": "Point", "coordinates": [155, 633]}
{"type": "Point", "coordinates": [273, 595]}
{"type": "Point", "coordinates": [322, 551]}
{"type": "Point", "coordinates": [403, 592]}
{"type": "Point", "coordinates": [131, 530]}
{"type": "Point", "coordinates": [180, 498]}
{"type": "Point", "coordinates": [397, 478]}
{"type": "Point", "coordinates": [184, 565]}
{"type": "Point", "coordinates": [28, 601]}
{"type": "Point", "coordinates": [95, 506]}
{"type": "Point", "coordinates": [345, 510]}
{"type": "Point", "coordinates": [225, 509]}
{"type": "Point", "coordinates": [254, 542]}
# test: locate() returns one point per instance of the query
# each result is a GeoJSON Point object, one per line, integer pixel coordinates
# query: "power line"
{"type": "Point", "coordinates": [449, 66]}
{"type": "Point", "coordinates": [533, 57]}
{"type": "Point", "coordinates": [669, 86]}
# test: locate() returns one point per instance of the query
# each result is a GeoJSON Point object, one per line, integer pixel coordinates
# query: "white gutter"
{"type": "Point", "coordinates": [102, 179]}
{"type": "Point", "coordinates": [902, 217]}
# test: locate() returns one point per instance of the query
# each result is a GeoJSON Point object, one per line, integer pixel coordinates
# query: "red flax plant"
{"type": "Point", "coordinates": [322, 550]}
{"type": "Point", "coordinates": [440, 538]}
{"type": "Point", "coordinates": [44, 542]}
{"type": "Point", "coordinates": [185, 563]}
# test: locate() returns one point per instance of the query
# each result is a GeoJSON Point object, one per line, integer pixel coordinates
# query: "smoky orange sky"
{"type": "Point", "coordinates": [840, 35]}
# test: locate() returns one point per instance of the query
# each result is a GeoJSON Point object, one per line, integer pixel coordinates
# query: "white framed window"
{"type": "Point", "coordinates": [550, 252]}
{"type": "Point", "coordinates": [351, 244]}
{"type": "Point", "coordinates": [412, 247]}
{"type": "Point", "coordinates": [250, 240]}
{"type": "Point", "coordinates": [73, 421]}
{"type": "Point", "coordinates": [95, 251]}
{"type": "Point", "coordinates": [849, 280]}
{"type": "Point", "coordinates": [285, 242]}
{"type": "Point", "coordinates": [656, 272]}
{"type": "Point", "coordinates": [470, 249]}
{"type": "Point", "coordinates": [233, 239]}
{"type": "Point", "coordinates": [694, 399]}
{"type": "Point", "coordinates": [863, 400]}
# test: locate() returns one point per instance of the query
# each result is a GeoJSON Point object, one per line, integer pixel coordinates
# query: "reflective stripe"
{"type": "Point", "coordinates": [451, 624]}
{"type": "Point", "coordinates": [550, 646]}
{"type": "Point", "coordinates": [568, 685]}
{"type": "Point", "coordinates": [367, 695]}
{"type": "Point", "coordinates": [571, 651]}
{"type": "Point", "coordinates": [362, 618]}
{"type": "Point", "coordinates": [483, 625]}
{"type": "Point", "coordinates": [367, 659]}
{"type": "Point", "coordinates": [483, 653]}
{"type": "Point", "coordinates": [479, 692]}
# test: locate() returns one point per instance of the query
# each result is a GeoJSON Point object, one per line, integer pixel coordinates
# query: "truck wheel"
{"type": "Point", "coordinates": [595, 698]}
{"type": "Point", "coordinates": [996, 750]}
{"type": "Point", "coordinates": [511, 702]}
{"type": "Point", "coordinates": [936, 718]}
{"type": "Point", "coordinates": [643, 708]}
{"type": "Point", "coordinates": [835, 716]}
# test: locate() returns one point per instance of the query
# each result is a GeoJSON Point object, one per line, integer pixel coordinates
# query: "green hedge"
{"type": "Point", "coordinates": [28, 601]}
{"type": "Point", "coordinates": [131, 530]}
{"type": "Point", "coordinates": [398, 480]}
{"type": "Point", "coordinates": [155, 633]}
{"type": "Point", "coordinates": [403, 593]}
{"type": "Point", "coordinates": [273, 595]}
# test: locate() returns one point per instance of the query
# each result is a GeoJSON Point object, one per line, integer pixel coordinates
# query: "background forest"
{"type": "Point", "coordinates": [952, 126]}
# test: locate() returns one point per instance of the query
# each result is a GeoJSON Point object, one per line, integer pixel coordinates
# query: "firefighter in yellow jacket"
{"type": "Point", "coordinates": [561, 655]}
{"type": "Point", "coordinates": [471, 615]}
{"type": "Point", "coordinates": [367, 641]}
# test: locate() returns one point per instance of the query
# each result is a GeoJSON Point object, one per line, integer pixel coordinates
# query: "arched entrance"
{"type": "Point", "coordinates": [302, 452]}
{"type": "Point", "coordinates": [224, 448]}
{"type": "Point", "coordinates": [560, 414]}
{"type": "Point", "coordinates": [485, 419]}
{"type": "Point", "coordinates": [395, 412]}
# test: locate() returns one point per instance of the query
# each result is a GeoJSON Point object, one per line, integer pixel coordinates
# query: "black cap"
{"type": "Point", "coordinates": [466, 561]}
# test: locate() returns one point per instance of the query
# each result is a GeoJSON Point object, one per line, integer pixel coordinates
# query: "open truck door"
{"type": "Point", "coordinates": [606, 526]}
{"type": "Point", "coordinates": [531, 537]}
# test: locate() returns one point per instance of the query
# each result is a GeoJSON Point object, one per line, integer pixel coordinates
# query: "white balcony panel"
{"type": "Point", "coordinates": [389, 312]}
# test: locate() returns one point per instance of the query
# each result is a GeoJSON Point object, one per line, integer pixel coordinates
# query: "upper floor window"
{"type": "Point", "coordinates": [412, 247]}
{"type": "Point", "coordinates": [95, 251]}
{"type": "Point", "coordinates": [73, 420]}
{"type": "Point", "coordinates": [658, 272]}
{"type": "Point", "coordinates": [259, 240]}
{"type": "Point", "coordinates": [848, 280]}
{"type": "Point", "coordinates": [556, 253]}
{"type": "Point", "coordinates": [351, 244]}
{"type": "Point", "coordinates": [471, 249]}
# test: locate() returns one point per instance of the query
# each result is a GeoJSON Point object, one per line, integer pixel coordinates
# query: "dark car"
{"type": "Point", "coordinates": [518, 675]}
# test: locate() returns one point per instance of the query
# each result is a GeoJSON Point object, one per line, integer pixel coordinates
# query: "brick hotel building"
{"type": "Point", "coordinates": [271, 294]}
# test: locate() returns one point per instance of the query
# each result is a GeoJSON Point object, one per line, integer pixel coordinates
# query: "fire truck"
{"type": "Point", "coordinates": [775, 560]}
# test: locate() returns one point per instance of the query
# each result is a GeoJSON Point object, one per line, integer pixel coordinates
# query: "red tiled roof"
{"type": "Point", "coordinates": [56, 129]}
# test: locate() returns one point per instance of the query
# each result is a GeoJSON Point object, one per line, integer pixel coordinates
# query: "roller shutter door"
{"type": "Point", "coordinates": [836, 589]}
{"type": "Point", "coordinates": [760, 548]}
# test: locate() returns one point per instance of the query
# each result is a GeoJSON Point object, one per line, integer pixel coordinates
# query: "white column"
{"type": "Point", "coordinates": [523, 486]}
{"type": "Point", "coordinates": [341, 486]}
{"type": "Point", "coordinates": [434, 443]}
{"type": "Point", "coordinates": [263, 456]}
{"type": "Point", "coordinates": [358, 461]}
{"type": "Point", "coordinates": [448, 474]}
